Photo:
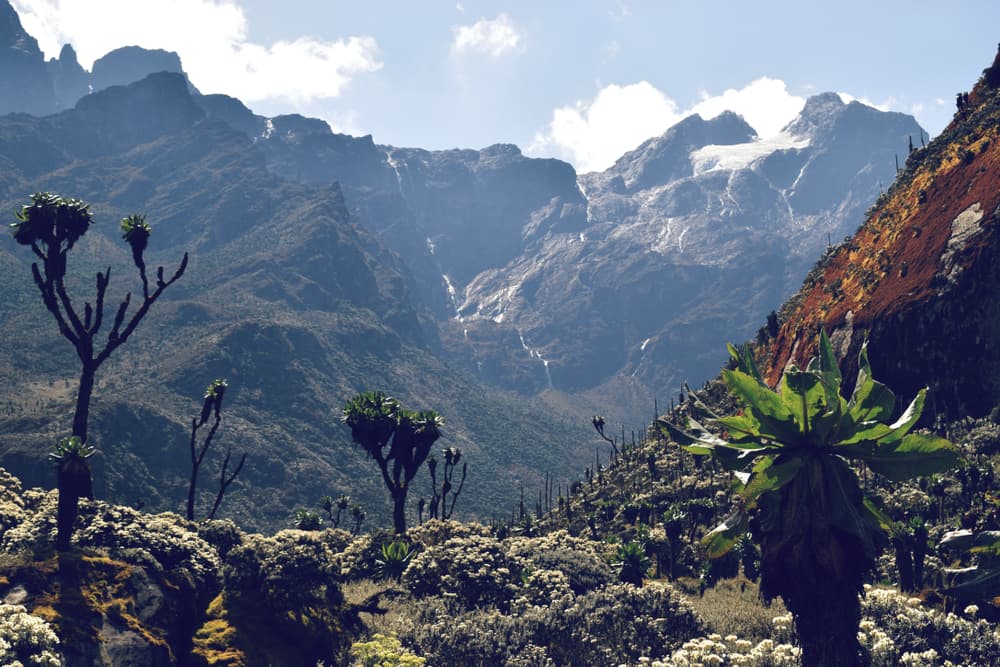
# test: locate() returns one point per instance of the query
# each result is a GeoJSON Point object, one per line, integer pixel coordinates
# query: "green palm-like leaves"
{"type": "Point", "coordinates": [398, 439]}
{"type": "Point", "coordinates": [71, 448]}
{"type": "Point", "coordinates": [49, 219]}
{"type": "Point", "coordinates": [396, 556]}
{"type": "Point", "coordinates": [372, 418]}
{"type": "Point", "coordinates": [632, 562]}
{"type": "Point", "coordinates": [807, 428]}
{"type": "Point", "coordinates": [214, 393]}
{"type": "Point", "coordinates": [136, 231]}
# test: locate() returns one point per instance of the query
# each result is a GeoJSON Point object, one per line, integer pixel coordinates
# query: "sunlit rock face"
{"type": "Point", "coordinates": [541, 278]}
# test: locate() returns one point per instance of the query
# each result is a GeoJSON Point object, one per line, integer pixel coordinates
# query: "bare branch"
{"type": "Point", "coordinates": [115, 339]}
{"type": "Point", "coordinates": [102, 285]}
{"type": "Point", "coordinates": [67, 305]}
{"type": "Point", "coordinates": [49, 299]}
{"type": "Point", "coordinates": [224, 481]}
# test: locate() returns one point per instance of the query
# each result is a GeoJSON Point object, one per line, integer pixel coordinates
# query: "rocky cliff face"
{"type": "Point", "coordinates": [132, 63]}
{"type": "Point", "coordinates": [534, 278]}
{"type": "Point", "coordinates": [642, 272]}
{"type": "Point", "coordinates": [38, 87]}
{"type": "Point", "coordinates": [27, 86]}
{"type": "Point", "coordinates": [688, 241]}
{"type": "Point", "coordinates": [920, 276]}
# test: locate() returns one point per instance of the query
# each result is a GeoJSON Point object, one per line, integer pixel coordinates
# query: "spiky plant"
{"type": "Point", "coordinates": [71, 456]}
{"type": "Point", "coordinates": [632, 563]}
{"type": "Point", "coordinates": [396, 555]}
{"type": "Point", "coordinates": [801, 501]}
{"type": "Point", "coordinates": [306, 520]}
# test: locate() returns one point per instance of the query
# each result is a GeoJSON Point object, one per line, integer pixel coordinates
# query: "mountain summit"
{"type": "Point", "coordinates": [27, 85]}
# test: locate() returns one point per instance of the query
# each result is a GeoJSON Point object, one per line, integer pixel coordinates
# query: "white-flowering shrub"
{"type": "Point", "coordinates": [582, 561]}
{"type": "Point", "coordinates": [26, 639]}
{"type": "Point", "coordinates": [289, 569]}
{"type": "Point", "coordinates": [717, 650]}
{"type": "Point", "coordinates": [164, 543]}
{"type": "Point", "coordinates": [607, 626]}
{"type": "Point", "coordinates": [476, 569]}
{"type": "Point", "coordinates": [915, 629]}
{"type": "Point", "coordinates": [436, 531]}
{"type": "Point", "coordinates": [11, 503]}
{"type": "Point", "coordinates": [356, 560]}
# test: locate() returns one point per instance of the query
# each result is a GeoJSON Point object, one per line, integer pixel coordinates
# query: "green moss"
{"type": "Point", "coordinates": [214, 641]}
{"type": "Point", "coordinates": [383, 651]}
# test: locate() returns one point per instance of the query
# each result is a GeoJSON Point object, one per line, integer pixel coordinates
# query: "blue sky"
{"type": "Point", "coordinates": [583, 80]}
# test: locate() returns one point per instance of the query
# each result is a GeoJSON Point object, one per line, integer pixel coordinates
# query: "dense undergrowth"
{"type": "Point", "coordinates": [544, 589]}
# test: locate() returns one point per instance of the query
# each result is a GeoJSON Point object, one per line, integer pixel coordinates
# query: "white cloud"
{"type": "Point", "coordinates": [592, 135]}
{"type": "Point", "coordinates": [211, 38]}
{"type": "Point", "coordinates": [884, 106]}
{"type": "Point", "coordinates": [765, 104]}
{"type": "Point", "coordinates": [495, 38]}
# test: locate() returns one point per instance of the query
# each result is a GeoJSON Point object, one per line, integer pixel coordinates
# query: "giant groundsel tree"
{"type": "Point", "coordinates": [51, 225]}
{"type": "Point", "coordinates": [800, 499]}
{"type": "Point", "coordinates": [398, 439]}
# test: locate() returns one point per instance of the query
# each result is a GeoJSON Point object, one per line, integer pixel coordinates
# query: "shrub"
{"type": "Point", "coordinates": [476, 570]}
{"type": "Point", "coordinates": [916, 629]}
{"type": "Point", "coordinates": [383, 651]}
{"type": "Point", "coordinates": [580, 560]}
{"type": "Point", "coordinates": [165, 543]}
{"type": "Point", "coordinates": [26, 639]}
{"type": "Point", "coordinates": [615, 624]}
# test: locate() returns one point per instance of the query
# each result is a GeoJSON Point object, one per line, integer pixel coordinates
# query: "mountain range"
{"type": "Point", "coordinates": [511, 294]}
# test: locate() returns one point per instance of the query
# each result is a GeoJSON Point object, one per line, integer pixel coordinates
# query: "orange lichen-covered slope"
{"type": "Point", "coordinates": [918, 275]}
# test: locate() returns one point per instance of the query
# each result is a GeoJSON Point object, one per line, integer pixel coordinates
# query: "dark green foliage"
{"type": "Point", "coordinates": [306, 520]}
{"type": "Point", "coordinates": [398, 439]}
{"type": "Point", "coordinates": [632, 563]}
{"type": "Point", "coordinates": [439, 499]}
{"type": "Point", "coordinates": [396, 555]}
{"type": "Point", "coordinates": [800, 499]}
{"type": "Point", "coordinates": [73, 473]}
{"type": "Point", "coordinates": [358, 514]}
{"type": "Point", "coordinates": [212, 405]}
{"type": "Point", "coordinates": [51, 226]}
{"type": "Point", "coordinates": [981, 581]}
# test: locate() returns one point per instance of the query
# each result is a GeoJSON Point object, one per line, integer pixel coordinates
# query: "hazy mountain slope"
{"type": "Point", "coordinates": [285, 296]}
{"type": "Point", "coordinates": [689, 241]}
{"type": "Point", "coordinates": [920, 276]}
{"type": "Point", "coordinates": [626, 280]}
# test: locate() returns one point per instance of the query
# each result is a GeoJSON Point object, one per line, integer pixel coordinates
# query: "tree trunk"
{"type": "Point", "coordinates": [399, 510]}
{"type": "Point", "coordinates": [827, 619]}
{"type": "Point", "coordinates": [904, 564]}
{"type": "Point", "coordinates": [190, 500]}
{"type": "Point", "coordinates": [73, 478]}
{"type": "Point", "coordinates": [82, 414]}
{"type": "Point", "coordinates": [74, 483]}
